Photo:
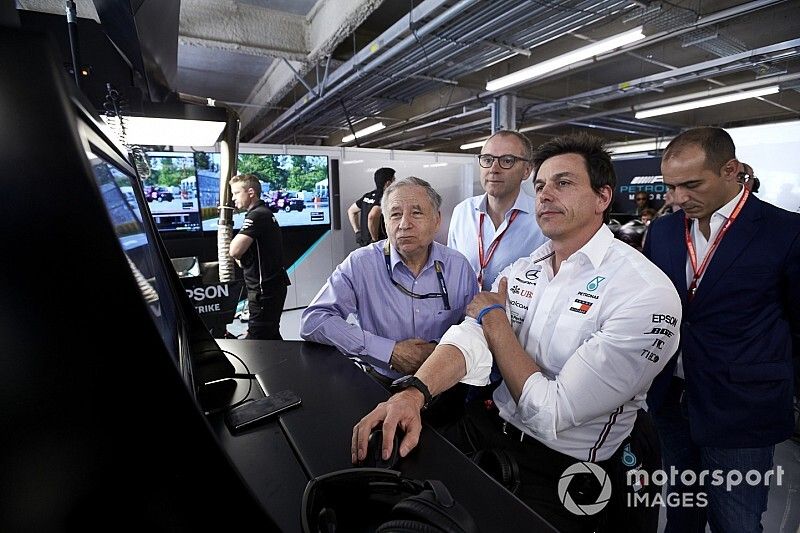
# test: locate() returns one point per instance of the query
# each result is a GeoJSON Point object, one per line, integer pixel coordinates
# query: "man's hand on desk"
{"type": "Point", "coordinates": [401, 410]}
{"type": "Point", "coordinates": [408, 355]}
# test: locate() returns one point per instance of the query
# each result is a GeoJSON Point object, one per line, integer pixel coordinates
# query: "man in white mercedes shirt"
{"type": "Point", "coordinates": [579, 329]}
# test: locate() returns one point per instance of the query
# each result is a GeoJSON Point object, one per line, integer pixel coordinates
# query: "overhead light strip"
{"type": "Point", "coordinates": [363, 133]}
{"type": "Point", "coordinates": [476, 144]}
{"type": "Point", "coordinates": [570, 58]}
{"type": "Point", "coordinates": [706, 102]}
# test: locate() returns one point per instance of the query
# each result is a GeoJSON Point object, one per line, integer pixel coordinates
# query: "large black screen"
{"type": "Point", "coordinates": [123, 209]}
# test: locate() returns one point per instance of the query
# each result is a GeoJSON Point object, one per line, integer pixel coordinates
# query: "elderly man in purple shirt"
{"type": "Point", "coordinates": [404, 291]}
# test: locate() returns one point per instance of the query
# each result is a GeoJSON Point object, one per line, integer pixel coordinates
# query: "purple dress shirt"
{"type": "Point", "coordinates": [361, 286]}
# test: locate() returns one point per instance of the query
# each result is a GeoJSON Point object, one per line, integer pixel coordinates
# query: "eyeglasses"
{"type": "Point", "coordinates": [506, 161]}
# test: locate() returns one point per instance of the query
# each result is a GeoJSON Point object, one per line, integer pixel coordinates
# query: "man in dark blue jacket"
{"type": "Point", "coordinates": [725, 401]}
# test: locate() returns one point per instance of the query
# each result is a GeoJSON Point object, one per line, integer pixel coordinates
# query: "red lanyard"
{"type": "Point", "coordinates": [492, 247]}
{"type": "Point", "coordinates": [698, 272]}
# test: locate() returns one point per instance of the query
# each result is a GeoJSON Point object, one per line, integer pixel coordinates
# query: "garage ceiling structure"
{"type": "Point", "coordinates": [306, 72]}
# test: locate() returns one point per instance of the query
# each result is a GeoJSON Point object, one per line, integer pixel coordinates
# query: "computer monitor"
{"type": "Point", "coordinates": [98, 423]}
{"type": "Point", "coordinates": [294, 187]}
{"type": "Point", "coordinates": [171, 191]}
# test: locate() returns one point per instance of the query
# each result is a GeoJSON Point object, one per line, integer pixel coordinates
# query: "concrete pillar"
{"type": "Point", "coordinates": [504, 113]}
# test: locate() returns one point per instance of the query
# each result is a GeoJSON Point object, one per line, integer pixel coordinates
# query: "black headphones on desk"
{"type": "Point", "coordinates": [381, 501]}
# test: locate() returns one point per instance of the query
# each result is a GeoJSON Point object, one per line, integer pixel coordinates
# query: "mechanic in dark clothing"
{"type": "Point", "coordinates": [365, 213]}
{"type": "Point", "coordinates": [258, 248]}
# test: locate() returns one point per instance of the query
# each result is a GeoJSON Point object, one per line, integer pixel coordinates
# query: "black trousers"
{"type": "Point", "coordinates": [265, 313]}
{"type": "Point", "coordinates": [540, 470]}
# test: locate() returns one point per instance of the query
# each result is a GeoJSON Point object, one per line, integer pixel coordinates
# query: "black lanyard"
{"type": "Point", "coordinates": [439, 275]}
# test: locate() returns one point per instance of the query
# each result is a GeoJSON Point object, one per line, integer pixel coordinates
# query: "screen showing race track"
{"type": "Point", "coordinates": [294, 187]}
{"type": "Point", "coordinates": [171, 191]}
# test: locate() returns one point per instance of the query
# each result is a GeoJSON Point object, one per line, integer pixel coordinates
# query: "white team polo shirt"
{"type": "Point", "coordinates": [600, 330]}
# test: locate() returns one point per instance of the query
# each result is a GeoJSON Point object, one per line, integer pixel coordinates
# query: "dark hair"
{"type": "Point", "coordinates": [527, 147]}
{"type": "Point", "coordinates": [594, 153]}
{"type": "Point", "coordinates": [715, 143]}
{"type": "Point", "coordinates": [382, 175]}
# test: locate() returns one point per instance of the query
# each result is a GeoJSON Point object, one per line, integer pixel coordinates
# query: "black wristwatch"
{"type": "Point", "coordinates": [412, 381]}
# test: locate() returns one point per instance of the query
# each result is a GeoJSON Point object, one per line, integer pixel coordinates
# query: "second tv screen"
{"type": "Point", "coordinates": [294, 187]}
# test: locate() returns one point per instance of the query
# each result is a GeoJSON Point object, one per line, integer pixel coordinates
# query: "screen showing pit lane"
{"type": "Point", "coordinates": [294, 187]}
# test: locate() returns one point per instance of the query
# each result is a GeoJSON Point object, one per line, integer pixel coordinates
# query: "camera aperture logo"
{"type": "Point", "coordinates": [576, 483]}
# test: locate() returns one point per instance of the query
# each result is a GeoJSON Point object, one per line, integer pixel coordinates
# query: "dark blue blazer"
{"type": "Point", "coordinates": [740, 331]}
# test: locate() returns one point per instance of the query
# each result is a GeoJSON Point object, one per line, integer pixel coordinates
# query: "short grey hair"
{"type": "Point", "coordinates": [433, 196]}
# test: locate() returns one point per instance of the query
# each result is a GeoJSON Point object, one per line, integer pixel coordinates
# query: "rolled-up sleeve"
{"type": "Point", "coordinates": [614, 365]}
{"type": "Point", "coordinates": [469, 339]}
{"type": "Point", "coordinates": [325, 319]}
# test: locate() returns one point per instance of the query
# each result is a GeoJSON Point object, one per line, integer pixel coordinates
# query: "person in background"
{"type": "Point", "coordinates": [669, 204]}
{"type": "Point", "coordinates": [726, 400]}
{"type": "Point", "coordinates": [642, 200]}
{"type": "Point", "coordinates": [405, 291]}
{"type": "Point", "coordinates": [495, 229]}
{"type": "Point", "coordinates": [258, 248]}
{"type": "Point", "coordinates": [365, 213]}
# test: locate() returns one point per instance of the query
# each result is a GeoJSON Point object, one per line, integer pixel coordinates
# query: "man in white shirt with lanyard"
{"type": "Point", "coordinates": [578, 329]}
{"type": "Point", "coordinates": [495, 229]}
{"type": "Point", "coordinates": [727, 400]}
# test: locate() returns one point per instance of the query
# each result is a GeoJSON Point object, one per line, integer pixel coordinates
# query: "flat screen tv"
{"type": "Point", "coordinates": [294, 187]}
{"type": "Point", "coordinates": [171, 191]}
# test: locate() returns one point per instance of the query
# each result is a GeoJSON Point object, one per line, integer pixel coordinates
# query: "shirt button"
{"type": "Point", "coordinates": [417, 310]}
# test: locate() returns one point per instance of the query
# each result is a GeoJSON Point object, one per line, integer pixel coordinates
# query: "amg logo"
{"type": "Point", "coordinates": [647, 179]}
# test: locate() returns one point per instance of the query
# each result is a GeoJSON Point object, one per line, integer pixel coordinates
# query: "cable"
{"type": "Point", "coordinates": [247, 375]}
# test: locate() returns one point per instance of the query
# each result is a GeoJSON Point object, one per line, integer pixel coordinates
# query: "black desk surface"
{"type": "Point", "coordinates": [335, 395]}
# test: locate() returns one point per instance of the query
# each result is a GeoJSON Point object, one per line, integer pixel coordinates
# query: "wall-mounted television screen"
{"type": "Point", "coordinates": [171, 191]}
{"type": "Point", "coordinates": [294, 187]}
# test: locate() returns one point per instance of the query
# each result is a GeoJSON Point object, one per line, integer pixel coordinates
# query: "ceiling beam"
{"type": "Point", "coordinates": [227, 25]}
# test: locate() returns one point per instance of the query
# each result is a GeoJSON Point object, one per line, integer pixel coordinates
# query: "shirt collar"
{"type": "Point", "coordinates": [727, 209]}
{"type": "Point", "coordinates": [523, 202]}
{"type": "Point", "coordinates": [434, 254]}
{"type": "Point", "coordinates": [595, 250]}
{"type": "Point", "coordinates": [258, 203]}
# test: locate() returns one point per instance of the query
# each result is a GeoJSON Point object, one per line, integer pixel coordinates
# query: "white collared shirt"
{"type": "Point", "coordinates": [701, 244]}
{"type": "Point", "coordinates": [520, 240]}
{"type": "Point", "coordinates": [600, 330]}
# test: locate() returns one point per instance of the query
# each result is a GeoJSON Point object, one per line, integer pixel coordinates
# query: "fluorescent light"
{"type": "Point", "coordinates": [545, 67]}
{"type": "Point", "coordinates": [171, 131]}
{"type": "Point", "coordinates": [477, 144]}
{"type": "Point", "coordinates": [706, 102]}
{"type": "Point", "coordinates": [353, 162]}
{"type": "Point", "coordinates": [645, 145]}
{"type": "Point", "coordinates": [363, 133]}
{"type": "Point", "coordinates": [434, 165]}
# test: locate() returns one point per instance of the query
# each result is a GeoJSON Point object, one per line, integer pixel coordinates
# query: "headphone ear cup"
{"type": "Point", "coordinates": [406, 526]}
{"type": "Point", "coordinates": [501, 465]}
{"type": "Point", "coordinates": [426, 509]}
